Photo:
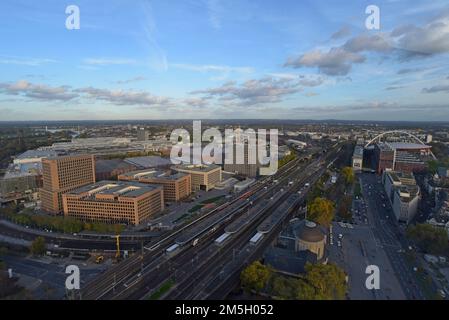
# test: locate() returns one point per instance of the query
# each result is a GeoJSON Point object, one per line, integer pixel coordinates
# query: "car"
{"type": "Point", "coordinates": [340, 236]}
{"type": "Point", "coordinates": [442, 293]}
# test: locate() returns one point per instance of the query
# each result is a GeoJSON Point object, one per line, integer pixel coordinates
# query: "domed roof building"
{"type": "Point", "coordinates": [309, 236]}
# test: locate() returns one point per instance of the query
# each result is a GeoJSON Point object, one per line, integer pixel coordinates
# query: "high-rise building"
{"type": "Point", "coordinates": [357, 158]}
{"type": "Point", "coordinates": [114, 202]}
{"type": "Point", "coordinates": [142, 134]}
{"type": "Point", "coordinates": [177, 185]}
{"type": "Point", "coordinates": [403, 193]}
{"type": "Point", "coordinates": [63, 174]}
{"type": "Point", "coordinates": [244, 159]}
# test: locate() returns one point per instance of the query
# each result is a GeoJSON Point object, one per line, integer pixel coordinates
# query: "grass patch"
{"type": "Point", "coordinates": [162, 290]}
{"type": "Point", "coordinates": [212, 200]}
{"type": "Point", "coordinates": [195, 208]}
{"type": "Point", "coordinates": [185, 215]}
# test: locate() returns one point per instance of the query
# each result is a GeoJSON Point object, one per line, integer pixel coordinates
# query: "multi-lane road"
{"type": "Point", "coordinates": [387, 234]}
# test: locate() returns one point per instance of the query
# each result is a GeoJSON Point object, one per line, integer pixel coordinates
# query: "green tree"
{"type": "Point", "coordinates": [431, 239]}
{"type": "Point", "coordinates": [283, 288]}
{"type": "Point", "coordinates": [321, 211]}
{"type": "Point", "coordinates": [348, 175]}
{"type": "Point", "coordinates": [255, 276]}
{"type": "Point", "coordinates": [303, 290]}
{"type": "Point", "coordinates": [328, 280]}
{"type": "Point", "coordinates": [38, 246]}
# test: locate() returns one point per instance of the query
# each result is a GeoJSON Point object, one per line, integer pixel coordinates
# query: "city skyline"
{"type": "Point", "coordinates": [224, 60]}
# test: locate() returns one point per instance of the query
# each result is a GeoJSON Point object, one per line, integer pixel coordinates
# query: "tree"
{"type": "Point", "coordinates": [38, 246]}
{"type": "Point", "coordinates": [255, 276]}
{"type": "Point", "coordinates": [328, 280]}
{"type": "Point", "coordinates": [431, 239]}
{"type": "Point", "coordinates": [303, 290]}
{"type": "Point", "coordinates": [348, 175]}
{"type": "Point", "coordinates": [283, 288]}
{"type": "Point", "coordinates": [321, 211]}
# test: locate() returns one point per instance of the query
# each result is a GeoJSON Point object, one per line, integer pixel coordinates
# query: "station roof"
{"type": "Point", "coordinates": [408, 146]}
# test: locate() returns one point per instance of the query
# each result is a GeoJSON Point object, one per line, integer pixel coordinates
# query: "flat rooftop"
{"type": "Point", "coordinates": [154, 174]}
{"type": "Point", "coordinates": [119, 188]}
{"type": "Point", "coordinates": [408, 146]}
{"type": "Point", "coordinates": [37, 154]}
{"type": "Point", "coordinates": [197, 167]}
{"type": "Point", "coordinates": [148, 162]}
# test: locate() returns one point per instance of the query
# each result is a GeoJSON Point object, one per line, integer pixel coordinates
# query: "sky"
{"type": "Point", "coordinates": [224, 59]}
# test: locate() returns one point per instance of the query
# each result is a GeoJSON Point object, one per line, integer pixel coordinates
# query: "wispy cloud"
{"type": "Point", "coordinates": [435, 89]}
{"type": "Point", "coordinates": [108, 61]}
{"type": "Point", "coordinates": [135, 79]}
{"type": "Point", "coordinates": [31, 62]}
{"type": "Point", "coordinates": [211, 68]}
{"type": "Point", "coordinates": [157, 58]}
{"type": "Point", "coordinates": [214, 9]}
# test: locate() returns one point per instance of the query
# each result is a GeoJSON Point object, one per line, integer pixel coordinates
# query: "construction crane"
{"type": "Point", "coordinates": [117, 243]}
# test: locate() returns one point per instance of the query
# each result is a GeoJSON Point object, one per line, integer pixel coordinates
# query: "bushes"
{"type": "Point", "coordinates": [37, 247]}
{"type": "Point", "coordinates": [320, 282]}
{"type": "Point", "coordinates": [429, 238]}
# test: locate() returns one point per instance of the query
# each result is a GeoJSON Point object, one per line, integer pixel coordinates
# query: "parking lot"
{"type": "Point", "coordinates": [354, 247]}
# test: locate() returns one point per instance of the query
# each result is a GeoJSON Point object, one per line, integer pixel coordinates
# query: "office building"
{"type": "Point", "coordinates": [142, 134]}
{"type": "Point", "coordinates": [400, 156]}
{"type": "Point", "coordinates": [403, 194]}
{"type": "Point", "coordinates": [203, 177]}
{"type": "Point", "coordinates": [244, 159]}
{"type": "Point", "coordinates": [114, 202]}
{"type": "Point", "coordinates": [63, 174]}
{"type": "Point", "coordinates": [357, 158]}
{"type": "Point", "coordinates": [177, 185]}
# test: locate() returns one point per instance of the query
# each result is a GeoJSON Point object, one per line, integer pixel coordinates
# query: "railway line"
{"type": "Point", "coordinates": [128, 274]}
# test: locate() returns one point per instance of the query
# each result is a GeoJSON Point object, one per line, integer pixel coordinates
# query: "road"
{"type": "Point", "coordinates": [387, 234]}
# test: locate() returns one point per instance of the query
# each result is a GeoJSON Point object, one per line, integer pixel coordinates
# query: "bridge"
{"type": "Point", "coordinates": [398, 132]}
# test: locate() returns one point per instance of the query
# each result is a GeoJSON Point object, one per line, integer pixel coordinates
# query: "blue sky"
{"type": "Point", "coordinates": [224, 59]}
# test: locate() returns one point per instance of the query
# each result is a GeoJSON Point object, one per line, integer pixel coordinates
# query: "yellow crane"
{"type": "Point", "coordinates": [117, 243]}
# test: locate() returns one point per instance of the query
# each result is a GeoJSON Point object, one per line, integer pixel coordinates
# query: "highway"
{"type": "Point", "coordinates": [143, 272]}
